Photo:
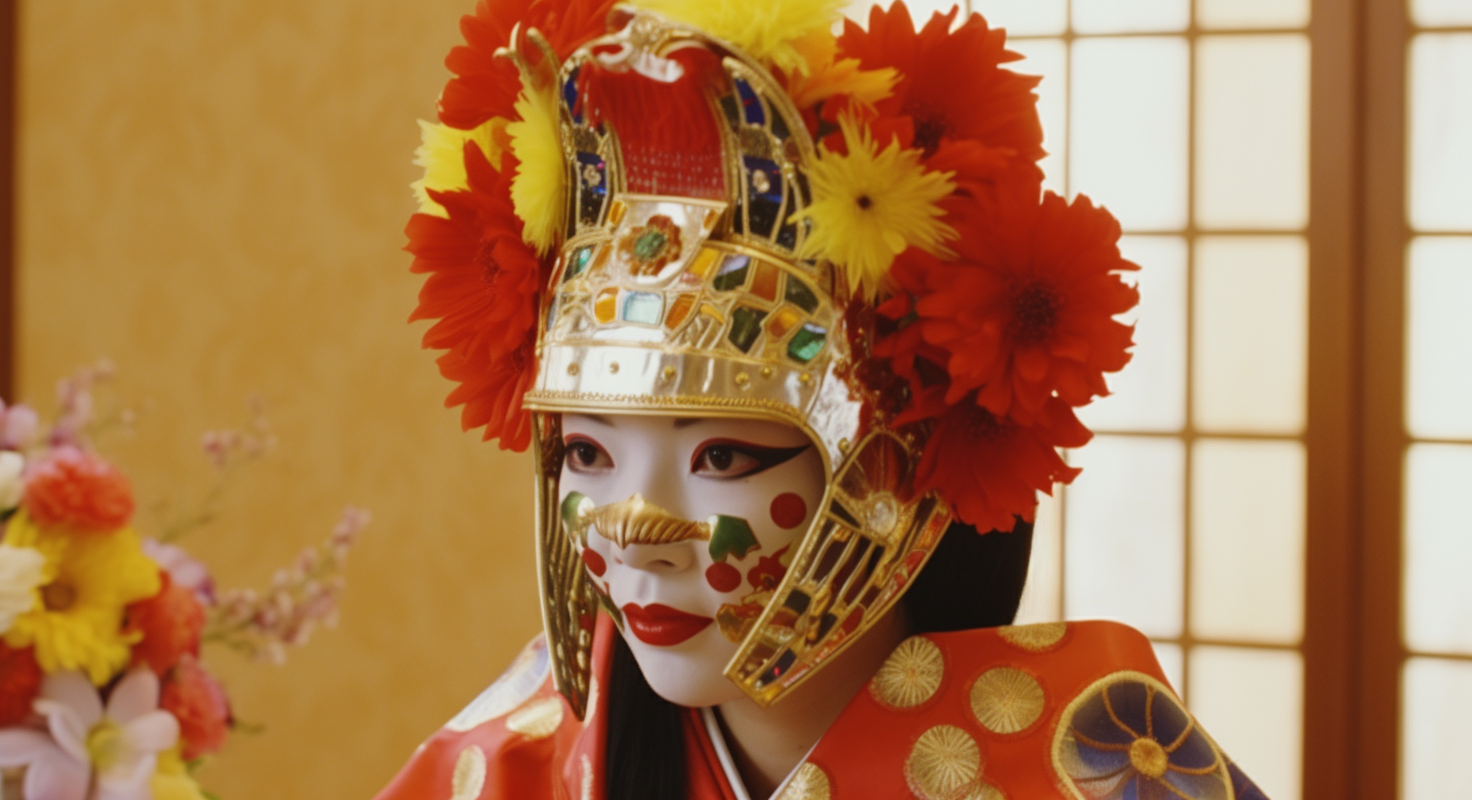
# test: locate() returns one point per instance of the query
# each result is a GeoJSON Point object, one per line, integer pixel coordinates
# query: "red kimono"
{"type": "Point", "coordinates": [1074, 710]}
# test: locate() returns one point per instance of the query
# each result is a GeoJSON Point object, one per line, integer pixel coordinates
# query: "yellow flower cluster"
{"type": "Point", "coordinates": [88, 579]}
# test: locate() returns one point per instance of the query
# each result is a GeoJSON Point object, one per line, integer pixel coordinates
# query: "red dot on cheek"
{"type": "Point", "coordinates": [789, 510]}
{"type": "Point", "coordinates": [594, 562]}
{"type": "Point", "coordinates": [723, 577]}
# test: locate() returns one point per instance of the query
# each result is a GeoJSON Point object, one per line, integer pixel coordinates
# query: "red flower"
{"type": "Point", "coordinates": [20, 682]}
{"type": "Point", "coordinates": [482, 286]}
{"type": "Point", "coordinates": [171, 623]}
{"type": "Point", "coordinates": [78, 489]}
{"type": "Point", "coordinates": [951, 82]}
{"type": "Point", "coordinates": [989, 469]}
{"type": "Point", "coordinates": [200, 705]}
{"type": "Point", "coordinates": [1027, 312]}
{"type": "Point", "coordinates": [485, 86]}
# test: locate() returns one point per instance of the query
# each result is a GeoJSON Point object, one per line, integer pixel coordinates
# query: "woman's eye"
{"type": "Point", "coordinates": [584, 455]}
{"type": "Point", "coordinates": [726, 460]}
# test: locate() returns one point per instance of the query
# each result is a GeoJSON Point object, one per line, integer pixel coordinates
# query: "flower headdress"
{"type": "Point", "coordinates": [720, 207]}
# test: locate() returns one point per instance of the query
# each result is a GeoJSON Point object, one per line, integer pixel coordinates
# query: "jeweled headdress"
{"type": "Point", "coordinates": [718, 208]}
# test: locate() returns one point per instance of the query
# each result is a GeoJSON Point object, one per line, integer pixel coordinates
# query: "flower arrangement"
{"type": "Point", "coordinates": [988, 307]}
{"type": "Point", "coordinates": [102, 690]}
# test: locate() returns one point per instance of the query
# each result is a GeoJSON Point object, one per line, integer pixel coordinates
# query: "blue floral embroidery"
{"type": "Point", "coordinates": [1128, 738]}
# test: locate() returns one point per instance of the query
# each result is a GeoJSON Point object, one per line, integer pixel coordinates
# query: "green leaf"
{"type": "Point", "coordinates": [730, 536]}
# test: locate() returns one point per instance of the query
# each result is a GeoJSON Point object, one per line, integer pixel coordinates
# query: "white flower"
{"type": "Point", "coordinates": [118, 745]}
{"type": "Point", "coordinates": [22, 569]}
{"type": "Point", "coordinates": [11, 485]}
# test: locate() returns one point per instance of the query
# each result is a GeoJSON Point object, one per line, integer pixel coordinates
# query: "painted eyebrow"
{"type": "Point", "coordinates": [685, 422]}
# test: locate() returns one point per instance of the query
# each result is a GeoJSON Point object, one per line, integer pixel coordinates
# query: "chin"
{"type": "Point", "coordinates": [692, 677]}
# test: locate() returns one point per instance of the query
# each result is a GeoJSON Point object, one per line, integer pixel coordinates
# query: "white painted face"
{"type": "Point", "coordinates": [687, 603]}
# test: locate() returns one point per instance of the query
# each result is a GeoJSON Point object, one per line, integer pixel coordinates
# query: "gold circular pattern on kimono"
{"type": "Point", "coordinates": [537, 720]}
{"type": "Point", "coordinates": [943, 764]}
{"type": "Point", "coordinates": [516, 685]}
{"type": "Point", "coordinates": [910, 676]}
{"type": "Point", "coordinates": [470, 774]}
{"type": "Point", "coordinates": [809, 783]}
{"type": "Point", "coordinates": [987, 792]}
{"type": "Point", "coordinates": [1007, 700]}
{"type": "Point", "coordinates": [1038, 638]}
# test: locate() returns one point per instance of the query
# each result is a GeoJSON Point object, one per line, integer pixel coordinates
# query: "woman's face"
{"type": "Point", "coordinates": [691, 525]}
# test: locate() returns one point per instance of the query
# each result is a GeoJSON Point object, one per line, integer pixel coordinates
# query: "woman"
{"type": "Point", "coordinates": [786, 321]}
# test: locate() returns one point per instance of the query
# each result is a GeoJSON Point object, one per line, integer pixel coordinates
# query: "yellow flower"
{"type": "Point", "coordinates": [442, 154]}
{"type": "Point", "coordinates": [88, 580]}
{"type": "Point", "coordinates": [869, 206]}
{"type": "Point", "coordinates": [171, 779]}
{"type": "Point", "coordinates": [765, 29]}
{"type": "Point", "coordinates": [538, 192]}
{"type": "Point", "coordinates": [826, 77]}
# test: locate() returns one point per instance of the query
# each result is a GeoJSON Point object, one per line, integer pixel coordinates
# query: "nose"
{"type": "Point", "coordinates": [660, 559]}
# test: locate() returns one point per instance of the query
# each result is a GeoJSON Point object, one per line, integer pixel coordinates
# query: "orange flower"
{"type": "Point", "coordinates": [1027, 313]}
{"type": "Point", "coordinates": [20, 682]}
{"type": "Point", "coordinates": [482, 287]}
{"type": "Point", "coordinates": [171, 623]}
{"type": "Point", "coordinates": [989, 469]}
{"type": "Point", "coordinates": [200, 705]}
{"type": "Point", "coordinates": [951, 82]}
{"type": "Point", "coordinates": [78, 489]}
{"type": "Point", "coordinates": [485, 86]}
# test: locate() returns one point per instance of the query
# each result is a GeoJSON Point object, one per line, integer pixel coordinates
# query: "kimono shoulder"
{"type": "Point", "coordinates": [509, 742]}
{"type": "Point", "coordinates": [1076, 710]}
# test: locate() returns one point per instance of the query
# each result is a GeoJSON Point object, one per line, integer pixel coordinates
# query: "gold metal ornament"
{"type": "Point", "coordinates": [706, 310]}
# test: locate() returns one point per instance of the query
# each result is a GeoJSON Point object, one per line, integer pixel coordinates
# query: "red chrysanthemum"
{"type": "Point", "coordinates": [951, 83]}
{"type": "Point", "coordinates": [20, 682]}
{"type": "Point", "coordinates": [482, 288]}
{"type": "Point", "coordinates": [78, 489]}
{"type": "Point", "coordinates": [171, 623]}
{"type": "Point", "coordinates": [485, 86]}
{"type": "Point", "coordinates": [200, 705]}
{"type": "Point", "coordinates": [1027, 311]}
{"type": "Point", "coordinates": [989, 469]}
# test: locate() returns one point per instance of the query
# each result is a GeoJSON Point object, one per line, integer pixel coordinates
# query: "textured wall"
{"type": "Point", "coordinates": [212, 195]}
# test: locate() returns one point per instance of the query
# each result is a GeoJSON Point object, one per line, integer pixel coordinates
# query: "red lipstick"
{"type": "Point", "coordinates": [661, 625]}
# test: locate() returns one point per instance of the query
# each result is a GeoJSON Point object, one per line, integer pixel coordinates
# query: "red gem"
{"type": "Point", "coordinates": [594, 562]}
{"type": "Point", "coordinates": [789, 510]}
{"type": "Point", "coordinates": [723, 577]}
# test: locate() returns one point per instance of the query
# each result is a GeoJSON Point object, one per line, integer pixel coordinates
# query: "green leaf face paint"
{"type": "Point", "coordinates": [730, 536]}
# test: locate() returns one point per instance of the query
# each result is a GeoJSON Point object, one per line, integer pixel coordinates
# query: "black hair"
{"type": "Point", "coordinates": [971, 581]}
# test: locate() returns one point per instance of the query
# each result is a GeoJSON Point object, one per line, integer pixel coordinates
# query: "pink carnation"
{"type": "Point", "coordinates": [72, 487]}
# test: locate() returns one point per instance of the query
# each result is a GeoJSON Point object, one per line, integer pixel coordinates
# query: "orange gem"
{"type": "Point", "coordinates": [606, 307]}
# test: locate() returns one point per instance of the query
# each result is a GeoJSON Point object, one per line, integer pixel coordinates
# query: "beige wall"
{"type": "Point", "coordinates": [212, 195]}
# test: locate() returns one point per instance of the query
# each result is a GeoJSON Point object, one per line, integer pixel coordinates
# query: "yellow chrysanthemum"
{"type": "Point", "coordinates": [826, 77]}
{"type": "Point", "coordinates": [442, 154]}
{"type": "Point", "coordinates": [538, 190]}
{"type": "Point", "coordinates": [869, 206]}
{"type": "Point", "coordinates": [88, 581]}
{"type": "Point", "coordinates": [765, 29]}
{"type": "Point", "coordinates": [171, 779]}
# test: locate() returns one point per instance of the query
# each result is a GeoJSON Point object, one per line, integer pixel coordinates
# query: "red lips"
{"type": "Point", "coordinates": [661, 625]}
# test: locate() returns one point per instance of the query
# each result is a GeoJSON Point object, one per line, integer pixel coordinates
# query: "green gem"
{"type": "Point", "coordinates": [746, 325]}
{"type": "Point", "coordinates": [730, 536]}
{"type": "Point", "coordinates": [807, 343]}
{"type": "Point", "coordinates": [800, 295]}
{"type": "Point", "coordinates": [732, 274]}
{"type": "Point", "coordinates": [573, 508]}
{"type": "Point", "coordinates": [579, 262]}
{"type": "Point", "coordinates": [650, 245]}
